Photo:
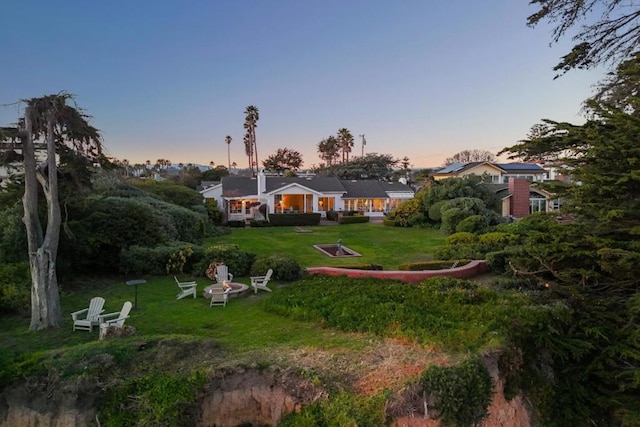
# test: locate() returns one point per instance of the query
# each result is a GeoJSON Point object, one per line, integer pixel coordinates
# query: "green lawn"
{"type": "Point", "coordinates": [378, 244]}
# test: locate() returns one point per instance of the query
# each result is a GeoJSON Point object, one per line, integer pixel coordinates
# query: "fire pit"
{"type": "Point", "coordinates": [336, 251]}
{"type": "Point", "coordinates": [236, 289]}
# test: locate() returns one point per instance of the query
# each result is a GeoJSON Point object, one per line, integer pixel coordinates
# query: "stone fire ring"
{"type": "Point", "coordinates": [236, 289]}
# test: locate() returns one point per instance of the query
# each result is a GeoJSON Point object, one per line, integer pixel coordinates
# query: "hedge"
{"type": "Point", "coordinates": [294, 219]}
{"type": "Point", "coordinates": [355, 219]}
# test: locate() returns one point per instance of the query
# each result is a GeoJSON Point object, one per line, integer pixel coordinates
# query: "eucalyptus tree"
{"type": "Point", "coordinates": [329, 150]}
{"type": "Point", "coordinates": [345, 140]}
{"type": "Point", "coordinates": [228, 139]}
{"type": "Point", "coordinates": [57, 124]}
{"type": "Point", "coordinates": [252, 116]}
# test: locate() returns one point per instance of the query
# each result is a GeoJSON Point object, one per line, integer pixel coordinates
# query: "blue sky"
{"type": "Point", "coordinates": [170, 79]}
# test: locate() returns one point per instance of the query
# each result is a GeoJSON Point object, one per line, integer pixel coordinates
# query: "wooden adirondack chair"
{"type": "Point", "coordinates": [186, 288]}
{"type": "Point", "coordinates": [222, 274]}
{"type": "Point", "coordinates": [87, 318]}
{"type": "Point", "coordinates": [219, 295]}
{"type": "Point", "coordinates": [116, 320]}
{"type": "Point", "coordinates": [260, 282]}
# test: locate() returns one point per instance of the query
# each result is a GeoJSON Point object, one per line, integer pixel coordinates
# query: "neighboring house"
{"type": "Point", "coordinates": [240, 197]}
{"type": "Point", "coordinates": [514, 183]}
{"type": "Point", "coordinates": [520, 198]}
{"type": "Point", "coordinates": [498, 173]}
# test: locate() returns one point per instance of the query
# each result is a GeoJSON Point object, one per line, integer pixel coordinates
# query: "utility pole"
{"type": "Point", "coordinates": [364, 142]}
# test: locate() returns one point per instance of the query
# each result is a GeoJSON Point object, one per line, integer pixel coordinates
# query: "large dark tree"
{"type": "Point", "coordinates": [609, 30]}
{"type": "Point", "coordinates": [329, 150]}
{"type": "Point", "coordinates": [52, 123]}
{"type": "Point", "coordinates": [345, 141]}
{"type": "Point", "coordinates": [590, 265]}
{"type": "Point", "coordinates": [285, 159]}
{"type": "Point", "coordinates": [370, 166]}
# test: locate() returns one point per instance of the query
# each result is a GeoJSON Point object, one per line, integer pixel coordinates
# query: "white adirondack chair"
{"type": "Point", "coordinates": [260, 282]}
{"type": "Point", "coordinates": [222, 274]}
{"type": "Point", "coordinates": [116, 320]}
{"type": "Point", "coordinates": [87, 318]}
{"type": "Point", "coordinates": [186, 288]}
{"type": "Point", "coordinates": [219, 295]}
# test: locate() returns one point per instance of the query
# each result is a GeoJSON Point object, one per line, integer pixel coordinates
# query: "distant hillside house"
{"type": "Point", "coordinates": [239, 197]}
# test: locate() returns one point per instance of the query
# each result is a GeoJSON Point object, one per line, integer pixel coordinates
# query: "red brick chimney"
{"type": "Point", "coordinates": [519, 190]}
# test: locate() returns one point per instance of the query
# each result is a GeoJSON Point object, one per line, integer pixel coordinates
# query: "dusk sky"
{"type": "Point", "coordinates": [170, 79]}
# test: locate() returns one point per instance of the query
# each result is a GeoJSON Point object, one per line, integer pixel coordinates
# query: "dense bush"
{"type": "Point", "coordinates": [473, 224]}
{"type": "Point", "coordinates": [170, 192]}
{"type": "Point", "coordinates": [154, 260]}
{"type": "Point", "coordinates": [15, 288]}
{"type": "Point", "coordinates": [355, 219]}
{"type": "Point", "coordinates": [461, 238]}
{"type": "Point", "coordinates": [463, 392]}
{"type": "Point", "coordinates": [332, 215]}
{"type": "Point", "coordinates": [284, 268]}
{"type": "Point", "coordinates": [294, 219]}
{"type": "Point", "coordinates": [239, 262]}
{"type": "Point", "coordinates": [13, 235]}
{"type": "Point", "coordinates": [235, 223]}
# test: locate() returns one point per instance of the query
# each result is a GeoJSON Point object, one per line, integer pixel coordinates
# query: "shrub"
{"type": "Point", "coordinates": [156, 260]}
{"type": "Point", "coordinates": [236, 223]}
{"type": "Point", "coordinates": [496, 240]}
{"type": "Point", "coordinates": [332, 215]}
{"type": "Point", "coordinates": [463, 392]}
{"type": "Point", "coordinates": [284, 268]}
{"type": "Point", "coordinates": [15, 288]}
{"type": "Point", "coordinates": [170, 192]}
{"type": "Point", "coordinates": [239, 262]}
{"type": "Point", "coordinates": [473, 224]}
{"type": "Point", "coordinates": [361, 267]}
{"type": "Point", "coordinates": [461, 238]}
{"type": "Point", "coordinates": [355, 219]}
{"type": "Point", "coordinates": [300, 219]}
{"type": "Point", "coordinates": [389, 222]}
{"type": "Point", "coordinates": [435, 210]}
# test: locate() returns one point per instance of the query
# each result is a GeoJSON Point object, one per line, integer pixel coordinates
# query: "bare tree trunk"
{"type": "Point", "coordinates": [45, 300]}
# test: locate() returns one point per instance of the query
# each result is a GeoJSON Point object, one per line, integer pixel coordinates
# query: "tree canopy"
{"type": "Point", "coordinates": [284, 159]}
{"type": "Point", "coordinates": [468, 156]}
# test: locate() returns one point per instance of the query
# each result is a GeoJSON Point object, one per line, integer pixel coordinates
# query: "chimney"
{"type": "Point", "coordinates": [519, 190]}
{"type": "Point", "coordinates": [262, 182]}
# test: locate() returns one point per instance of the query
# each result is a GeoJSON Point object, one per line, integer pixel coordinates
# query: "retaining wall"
{"type": "Point", "coordinates": [466, 271]}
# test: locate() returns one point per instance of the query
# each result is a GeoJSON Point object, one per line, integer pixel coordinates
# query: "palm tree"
{"type": "Point", "coordinates": [250, 123]}
{"type": "Point", "coordinates": [329, 149]}
{"type": "Point", "coordinates": [345, 140]}
{"type": "Point", "coordinates": [228, 139]}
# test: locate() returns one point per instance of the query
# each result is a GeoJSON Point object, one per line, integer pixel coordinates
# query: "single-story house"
{"type": "Point", "coordinates": [239, 197]}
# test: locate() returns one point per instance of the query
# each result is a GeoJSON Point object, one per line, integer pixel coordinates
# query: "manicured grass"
{"type": "Point", "coordinates": [378, 244]}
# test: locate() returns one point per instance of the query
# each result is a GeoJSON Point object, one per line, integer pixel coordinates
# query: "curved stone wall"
{"type": "Point", "coordinates": [466, 271]}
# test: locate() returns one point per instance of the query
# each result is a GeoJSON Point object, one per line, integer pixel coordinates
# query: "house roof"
{"type": "Point", "coordinates": [323, 184]}
{"type": "Point", "coordinates": [364, 189]}
{"type": "Point", "coordinates": [242, 186]}
{"type": "Point", "coordinates": [507, 168]}
{"type": "Point", "coordinates": [520, 167]}
{"type": "Point", "coordinates": [239, 186]}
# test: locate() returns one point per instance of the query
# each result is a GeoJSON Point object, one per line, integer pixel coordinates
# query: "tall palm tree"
{"type": "Point", "coordinates": [228, 139]}
{"type": "Point", "coordinates": [345, 139]}
{"type": "Point", "coordinates": [250, 123]}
